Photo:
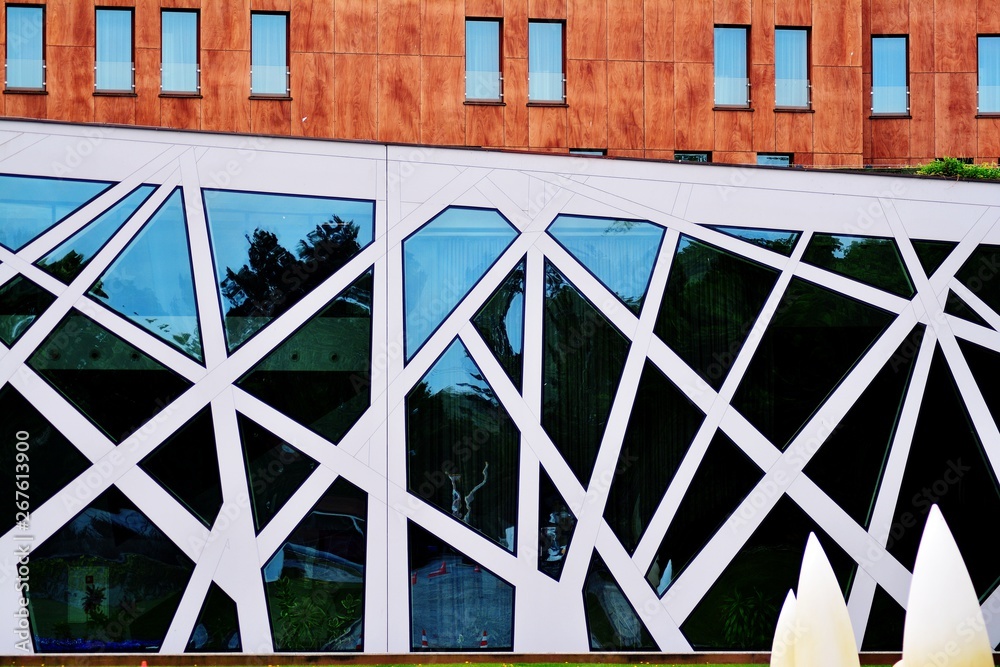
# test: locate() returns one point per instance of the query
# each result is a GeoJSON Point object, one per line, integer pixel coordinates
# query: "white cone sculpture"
{"type": "Point", "coordinates": [944, 624]}
{"type": "Point", "coordinates": [783, 646]}
{"type": "Point", "coordinates": [825, 637]}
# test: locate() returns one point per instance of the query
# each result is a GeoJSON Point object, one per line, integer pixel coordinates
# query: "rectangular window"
{"type": "Point", "coordinates": [546, 77]}
{"type": "Point", "coordinates": [483, 78]}
{"type": "Point", "coordinates": [25, 48]}
{"type": "Point", "coordinates": [989, 74]}
{"type": "Point", "coordinates": [774, 159]}
{"type": "Point", "coordinates": [732, 87]}
{"type": "Point", "coordinates": [890, 93]}
{"type": "Point", "coordinates": [269, 54]}
{"type": "Point", "coordinates": [114, 67]}
{"type": "Point", "coordinates": [791, 67]}
{"type": "Point", "coordinates": [692, 157]}
{"type": "Point", "coordinates": [587, 151]}
{"type": "Point", "coordinates": [179, 69]}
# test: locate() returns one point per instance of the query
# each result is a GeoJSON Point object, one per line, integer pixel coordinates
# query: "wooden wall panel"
{"type": "Point", "coordinates": [837, 33]}
{"type": "Point", "coordinates": [225, 25]}
{"type": "Point", "coordinates": [181, 112]}
{"type": "Point", "coordinates": [547, 127]}
{"type": "Point", "coordinates": [443, 29]}
{"type": "Point", "coordinates": [587, 93]}
{"type": "Point", "coordinates": [515, 117]}
{"type": "Point", "coordinates": [625, 31]}
{"type": "Point", "coordinates": [793, 133]}
{"type": "Point", "coordinates": [922, 112]}
{"type": "Point", "coordinates": [762, 33]}
{"type": "Point", "coordinates": [735, 12]}
{"type": "Point", "coordinates": [399, 26]}
{"type": "Point", "coordinates": [147, 24]}
{"type": "Point", "coordinates": [442, 94]}
{"type": "Point", "coordinates": [114, 109]}
{"type": "Point", "coordinates": [693, 32]}
{"type": "Point", "coordinates": [626, 153]}
{"type": "Point", "coordinates": [515, 28]}
{"type": "Point", "coordinates": [734, 158]}
{"type": "Point", "coordinates": [954, 41]}
{"type": "Point", "coordinates": [793, 12]}
{"type": "Point", "coordinates": [484, 125]}
{"type": "Point", "coordinates": [955, 115]}
{"type": "Point", "coordinates": [483, 8]}
{"type": "Point", "coordinates": [890, 17]}
{"type": "Point", "coordinates": [921, 41]}
{"type": "Point", "coordinates": [658, 30]}
{"type": "Point", "coordinates": [70, 82]}
{"type": "Point", "coordinates": [147, 86]}
{"type": "Point", "coordinates": [312, 26]}
{"type": "Point", "coordinates": [271, 5]}
{"type": "Point", "coordinates": [734, 131]}
{"type": "Point", "coordinates": [838, 114]}
{"type": "Point", "coordinates": [354, 94]}
{"type": "Point", "coordinates": [313, 99]}
{"type": "Point", "coordinates": [694, 121]}
{"type": "Point", "coordinates": [587, 30]}
{"type": "Point", "coordinates": [762, 90]}
{"type": "Point", "coordinates": [226, 104]}
{"type": "Point", "coordinates": [355, 29]}
{"type": "Point", "coordinates": [659, 105]}
{"type": "Point", "coordinates": [988, 17]}
{"type": "Point", "coordinates": [655, 154]}
{"type": "Point", "coordinates": [625, 105]}
{"type": "Point", "coordinates": [398, 99]}
{"type": "Point", "coordinates": [837, 160]}
{"type": "Point", "coordinates": [69, 23]}
{"type": "Point", "coordinates": [25, 106]}
{"type": "Point", "coordinates": [547, 9]}
{"type": "Point", "coordinates": [989, 140]}
{"type": "Point", "coordinates": [891, 139]}
{"type": "Point", "coordinates": [271, 117]}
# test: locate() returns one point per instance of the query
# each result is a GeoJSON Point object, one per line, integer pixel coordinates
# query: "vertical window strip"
{"type": "Point", "coordinates": [179, 67]}
{"type": "Point", "coordinates": [989, 75]}
{"type": "Point", "coordinates": [114, 50]}
{"type": "Point", "coordinates": [791, 58]}
{"type": "Point", "coordinates": [269, 54]}
{"type": "Point", "coordinates": [482, 60]}
{"type": "Point", "coordinates": [25, 60]}
{"type": "Point", "coordinates": [731, 67]}
{"type": "Point", "coordinates": [545, 62]}
{"type": "Point", "coordinates": [889, 90]}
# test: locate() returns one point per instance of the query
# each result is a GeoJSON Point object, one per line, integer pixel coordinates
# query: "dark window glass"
{"type": "Point", "coordinates": [72, 256]}
{"type": "Point", "coordinates": [953, 305]}
{"type": "Point", "coordinates": [483, 77]}
{"type": "Point", "coordinates": [556, 523]}
{"type": "Point", "coordinates": [712, 300]}
{"type": "Point", "coordinates": [890, 89]}
{"type": "Point", "coordinates": [463, 447]}
{"type": "Point", "coordinates": [732, 87]}
{"type": "Point", "coordinates": [217, 629]}
{"type": "Point", "coordinates": [315, 583]}
{"type": "Point", "coordinates": [21, 302]}
{"type": "Point", "coordinates": [780, 241]}
{"type": "Point", "coordinates": [989, 74]}
{"type": "Point", "coordinates": [885, 624]}
{"type": "Point", "coordinates": [871, 260]}
{"type": "Point", "coordinates": [109, 581]}
{"type": "Point", "coordinates": [455, 604]}
{"type": "Point", "coordinates": [269, 54]}
{"type": "Point", "coordinates": [501, 323]}
{"type": "Point", "coordinates": [660, 429]}
{"type": "Point", "coordinates": [981, 274]}
{"type": "Point", "coordinates": [582, 362]}
{"type": "Point", "coordinates": [117, 386]}
{"type": "Point", "coordinates": [693, 157]}
{"type": "Point", "coordinates": [115, 71]}
{"type": "Point", "coordinates": [932, 253]}
{"type": "Point", "coordinates": [276, 469]}
{"type": "Point", "coordinates": [442, 261]}
{"type": "Point", "coordinates": [152, 283]}
{"type": "Point", "coordinates": [271, 250]}
{"type": "Point", "coordinates": [179, 64]}
{"type": "Point", "coordinates": [546, 78]}
{"type": "Point", "coordinates": [612, 622]}
{"type": "Point", "coordinates": [621, 253]}
{"type": "Point", "coordinates": [774, 160]}
{"type": "Point", "coordinates": [187, 466]}
{"type": "Point", "coordinates": [25, 48]}
{"type": "Point", "coordinates": [791, 67]}
{"type": "Point", "coordinates": [321, 375]}
{"type": "Point", "coordinates": [815, 338]}
{"type": "Point", "coordinates": [33, 205]}
{"type": "Point", "coordinates": [850, 463]}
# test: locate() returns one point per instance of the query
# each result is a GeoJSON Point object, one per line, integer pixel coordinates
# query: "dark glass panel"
{"type": "Point", "coordinates": [31, 205]}
{"type": "Point", "coordinates": [109, 581]}
{"type": "Point", "coordinates": [271, 250]}
{"type": "Point", "coordinates": [948, 467]}
{"type": "Point", "coordinates": [884, 631]}
{"type": "Point", "coordinates": [660, 429]}
{"type": "Point", "coordinates": [321, 375]}
{"type": "Point", "coordinates": [871, 260]}
{"type": "Point", "coordinates": [815, 338]}
{"type": "Point", "coordinates": [218, 627]}
{"type": "Point", "coordinates": [501, 323]}
{"type": "Point", "coordinates": [315, 583]}
{"type": "Point", "coordinates": [932, 254]}
{"type": "Point", "coordinates": [69, 259]}
{"type": "Point", "coordinates": [724, 478]}
{"type": "Point", "coordinates": [741, 608]}
{"type": "Point", "coordinates": [463, 447]}
{"type": "Point", "coordinates": [712, 300]}
{"type": "Point", "coordinates": [556, 524]}
{"type": "Point", "coordinates": [455, 604]}
{"type": "Point", "coordinates": [187, 466]}
{"type": "Point", "coordinates": [621, 253]}
{"type": "Point", "coordinates": [21, 302]}
{"type": "Point", "coordinates": [276, 469]}
{"type": "Point", "coordinates": [955, 306]}
{"type": "Point", "coordinates": [49, 462]}
{"type": "Point", "coordinates": [151, 282]}
{"type": "Point", "coordinates": [981, 274]}
{"type": "Point", "coordinates": [612, 622]}
{"type": "Point", "coordinates": [583, 359]}
{"type": "Point", "coordinates": [112, 383]}
{"type": "Point", "coordinates": [850, 463]}
{"type": "Point", "coordinates": [779, 241]}
{"type": "Point", "coordinates": [442, 261]}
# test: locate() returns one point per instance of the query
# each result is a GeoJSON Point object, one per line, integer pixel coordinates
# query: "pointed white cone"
{"type": "Point", "coordinates": [783, 646]}
{"type": "Point", "coordinates": [825, 637]}
{"type": "Point", "coordinates": [944, 624]}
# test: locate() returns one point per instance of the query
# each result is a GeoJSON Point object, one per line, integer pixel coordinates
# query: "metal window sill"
{"type": "Point", "coordinates": [192, 96]}
{"type": "Point", "coordinates": [890, 116]}
{"type": "Point", "coordinates": [732, 108]}
{"type": "Point", "coordinates": [485, 103]}
{"type": "Point", "coordinates": [547, 104]}
{"type": "Point", "coordinates": [272, 98]}
{"type": "Point", "coordinates": [794, 110]}
{"type": "Point", "coordinates": [114, 93]}
{"type": "Point", "coordinates": [25, 91]}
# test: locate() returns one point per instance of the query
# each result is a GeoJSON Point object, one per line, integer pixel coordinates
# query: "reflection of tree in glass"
{"type": "Point", "coordinates": [67, 267]}
{"type": "Point", "coordinates": [874, 261]}
{"type": "Point", "coordinates": [491, 322]}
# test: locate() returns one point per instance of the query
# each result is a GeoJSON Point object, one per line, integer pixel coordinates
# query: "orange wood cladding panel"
{"type": "Point", "coordinates": [890, 17]}
{"type": "Point", "coordinates": [954, 41]}
{"type": "Point", "coordinates": [547, 9]}
{"type": "Point", "coordinates": [988, 17]}
{"type": "Point", "coordinates": [484, 125]}
{"type": "Point", "coordinates": [398, 98]}
{"type": "Point", "coordinates": [25, 106]}
{"type": "Point", "coordinates": [659, 105]}
{"type": "Point", "coordinates": [586, 30]}
{"type": "Point", "coordinates": [762, 33]}
{"type": "Point", "coordinates": [587, 82]}
{"type": "Point", "coordinates": [762, 85]}
{"type": "Point", "coordinates": [147, 87]}
{"type": "Point", "coordinates": [442, 92]}
{"type": "Point", "coordinates": [734, 131]}
{"type": "Point", "coordinates": [837, 32]}
{"type": "Point", "coordinates": [515, 119]}
{"type": "Point", "coordinates": [793, 12]}
{"type": "Point", "coordinates": [989, 139]}
{"type": "Point", "coordinates": [834, 160]}
{"type": "Point", "coordinates": [271, 117]}
{"type": "Point", "coordinates": [312, 26]}
{"type": "Point", "coordinates": [69, 23]}
{"type": "Point", "coordinates": [225, 25]}
{"type": "Point", "coordinates": [226, 106]}
{"type": "Point", "coordinates": [694, 121]}
{"type": "Point", "coordinates": [625, 152]}
{"type": "Point", "coordinates": [354, 90]}
{"type": "Point", "coordinates": [547, 127]}
{"type": "Point", "coordinates": [625, 29]}
{"type": "Point", "coordinates": [182, 112]}
{"type": "Point", "coordinates": [734, 158]}
{"type": "Point", "coordinates": [70, 81]}
{"type": "Point", "coordinates": [270, 5]}
{"type": "Point", "coordinates": [399, 26]}
{"type": "Point", "coordinates": [735, 12]}
{"type": "Point", "coordinates": [484, 7]}
{"type": "Point", "coordinates": [443, 30]}
{"type": "Point", "coordinates": [115, 109]}
{"type": "Point", "coordinates": [147, 24]}
{"type": "Point", "coordinates": [313, 98]}
{"type": "Point", "coordinates": [356, 26]}
{"type": "Point", "coordinates": [655, 154]}
{"type": "Point", "coordinates": [955, 114]}
{"type": "Point", "coordinates": [837, 127]}
{"type": "Point", "coordinates": [625, 108]}
{"type": "Point", "coordinates": [658, 30]}
{"type": "Point", "coordinates": [793, 132]}
{"type": "Point", "coordinates": [515, 29]}
{"type": "Point", "coordinates": [921, 42]}
{"type": "Point", "coordinates": [693, 31]}
{"type": "Point", "coordinates": [890, 138]}
{"type": "Point", "coordinates": [922, 111]}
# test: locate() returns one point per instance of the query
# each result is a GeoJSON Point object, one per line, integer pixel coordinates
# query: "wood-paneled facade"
{"type": "Point", "coordinates": [639, 76]}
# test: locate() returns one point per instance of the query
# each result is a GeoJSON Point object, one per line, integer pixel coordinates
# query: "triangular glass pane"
{"type": "Point", "coordinates": [780, 241]}
{"type": "Point", "coordinates": [315, 583]}
{"type": "Point", "coordinates": [724, 478]}
{"type": "Point", "coordinates": [740, 610]}
{"type": "Point", "coordinates": [109, 581]}
{"type": "Point", "coordinates": [850, 463]}
{"type": "Point", "coordinates": [21, 302]}
{"type": "Point", "coordinates": [932, 254]}
{"type": "Point", "coordinates": [501, 323]}
{"type": "Point", "coordinates": [276, 469]}
{"type": "Point", "coordinates": [53, 461]}
{"type": "Point", "coordinates": [884, 631]}
{"type": "Point", "coordinates": [711, 302]}
{"type": "Point", "coordinates": [115, 385]}
{"type": "Point", "coordinates": [271, 250]}
{"type": "Point", "coordinates": [31, 205]}
{"type": "Point", "coordinates": [621, 253]}
{"type": "Point", "coordinates": [660, 429]}
{"type": "Point", "coordinates": [815, 338]}
{"type": "Point", "coordinates": [187, 466]}
{"type": "Point", "coordinates": [955, 306]}
{"type": "Point", "coordinates": [69, 259]}
{"type": "Point", "coordinates": [455, 603]}
{"type": "Point", "coordinates": [556, 523]}
{"type": "Point", "coordinates": [151, 282]}
{"type": "Point", "coordinates": [957, 477]}
{"type": "Point", "coordinates": [442, 261]}
{"type": "Point", "coordinates": [321, 375]}
{"type": "Point", "coordinates": [217, 629]}
{"type": "Point", "coordinates": [980, 272]}
{"type": "Point", "coordinates": [611, 618]}
{"type": "Point", "coordinates": [463, 447]}
{"type": "Point", "coordinates": [872, 260]}
{"type": "Point", "coordinates": [582, 363]}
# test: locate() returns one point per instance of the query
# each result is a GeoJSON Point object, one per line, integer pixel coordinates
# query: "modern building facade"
{"type": "Point", "coordinates": [805, 82]}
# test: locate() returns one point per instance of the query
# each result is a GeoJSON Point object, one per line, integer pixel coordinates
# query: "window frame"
{"type": "Point", "coordinates": [115, 91]}
{"type": "Point", "coordinates": [808, 105]}
{"type": "Point", "coordinates": [485, 19]}
{"type": "Point", "coordinates": [562, 46]}
{"type": "Point", "coordinates": [22, 89]}
{"type": "Point", "coordinates": [894, 113]}
{"type": "Point", "coordinates": [287, 95]}
{"type": "Point", "coordinates": [748, 104]}
{"type": "Point", "coordinates": [989, 113]}
{"type": "Point", "coordinates": [197, 52]}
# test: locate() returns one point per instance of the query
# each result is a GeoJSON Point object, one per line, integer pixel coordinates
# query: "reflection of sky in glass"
{"type": "Point", "coordinates": [441, 263]}
{"type": "Point", "coordinates": [762, 237]}
{"type": "Point", "coordinates": [32, 205]}
{"type": "Point", "coordinates": [454, 368]}
{"type": "Point", "coordinates": [620, 253]}
{"type": "Point", "coordinates": [514, 321]}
